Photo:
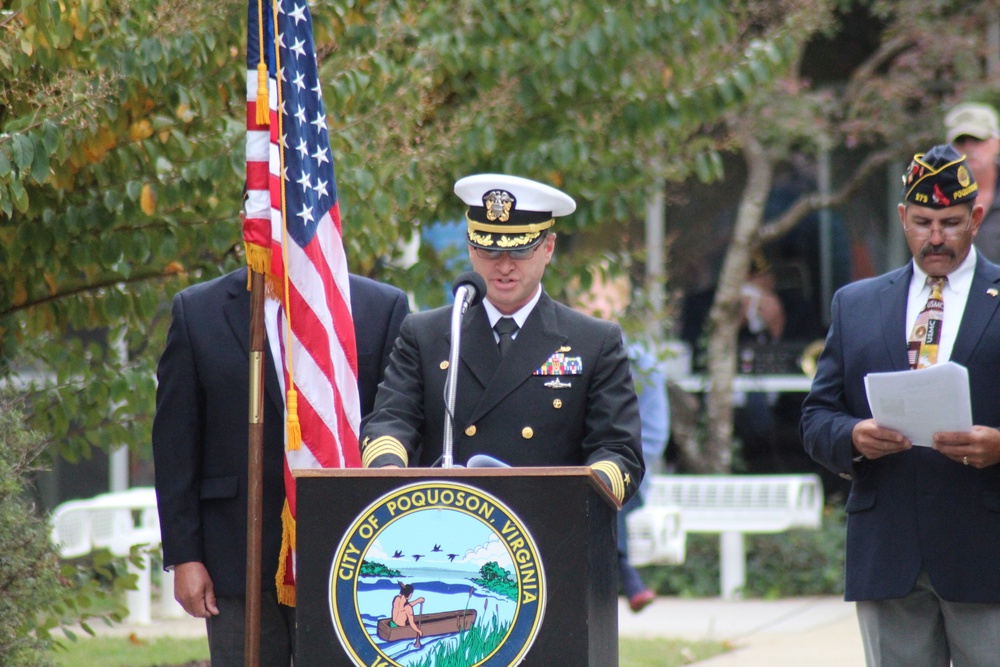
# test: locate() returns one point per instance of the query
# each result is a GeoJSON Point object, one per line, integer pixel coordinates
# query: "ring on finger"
{"type": "Point", "coordinates": [965, 460]}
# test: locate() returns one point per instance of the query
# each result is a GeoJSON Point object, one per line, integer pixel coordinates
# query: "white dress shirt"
{"type": "Point", "coordinates": [520, 316]}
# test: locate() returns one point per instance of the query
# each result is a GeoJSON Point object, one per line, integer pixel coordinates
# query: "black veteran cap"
{"type": "Point", "coordinates": [510, 212]}
{"type": "Point", "coordinates": [939, 178]}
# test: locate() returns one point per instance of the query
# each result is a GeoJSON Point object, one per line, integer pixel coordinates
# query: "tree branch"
{"type": "Point", "coordinates": [806, 204]}
{"type": "Point", "coordinates": [83, 289]}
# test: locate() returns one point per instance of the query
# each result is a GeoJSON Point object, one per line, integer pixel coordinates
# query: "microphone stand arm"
{"type": "Point", "coordinates": [450, 386]}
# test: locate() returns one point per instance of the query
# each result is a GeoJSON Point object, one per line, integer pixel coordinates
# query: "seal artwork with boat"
{"type": "Point", "coordinates": [441, 623]}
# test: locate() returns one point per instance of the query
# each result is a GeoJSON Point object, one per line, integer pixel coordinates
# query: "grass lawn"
{"type": "Point", "coordinates": [125, 652]}
{"type": "Point", "coordinates": [665, 652]}
{"type": "Point", "coordinates": [169, 651]}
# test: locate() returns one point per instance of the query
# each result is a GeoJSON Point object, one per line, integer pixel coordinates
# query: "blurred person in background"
{"type": "Point", "coordinates": [609, 298]}
{"type": "Point", "coordinates": [973, 129]}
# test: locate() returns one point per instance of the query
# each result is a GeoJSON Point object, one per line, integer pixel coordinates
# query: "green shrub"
{"type": "Point", "coordinates": [797, 562]}
{"type": "Point", "coordinates": [29, 566]}
{"type": "Point", "coordinates": [37, 592]}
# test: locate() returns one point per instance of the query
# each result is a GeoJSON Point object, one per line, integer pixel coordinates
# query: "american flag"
{"type": "Point", "coordinates": [292, 210]}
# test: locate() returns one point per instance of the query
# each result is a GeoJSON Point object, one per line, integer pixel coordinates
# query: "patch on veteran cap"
{"type": "Point", "coordinates": [510, 212]}
{"type": "Point", "coordinates": [939, 178]}
{"type": "Point", "coordinates": [978, 121]}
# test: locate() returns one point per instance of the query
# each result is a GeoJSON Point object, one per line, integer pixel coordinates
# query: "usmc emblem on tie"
{"type": "Point", "coordinates": [498, 205]}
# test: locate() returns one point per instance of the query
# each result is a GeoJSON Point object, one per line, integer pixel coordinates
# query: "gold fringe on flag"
{"type": "Point", "coordinates": [286, 592]}
{"type": "Point", "coordinates": [258, 259]}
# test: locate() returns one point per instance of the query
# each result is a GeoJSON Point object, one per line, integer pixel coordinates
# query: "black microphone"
{"type": "Point", "coordinates": [475, 288]}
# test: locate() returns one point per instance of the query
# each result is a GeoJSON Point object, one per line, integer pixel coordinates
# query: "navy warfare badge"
{"type": "Point", "coordinates": [437, 573]}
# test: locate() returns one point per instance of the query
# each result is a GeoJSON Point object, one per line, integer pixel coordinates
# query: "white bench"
{"type": "Point", "coordinates": [117, 522]}
{"type": "Point", "coordinates": [731, 505]}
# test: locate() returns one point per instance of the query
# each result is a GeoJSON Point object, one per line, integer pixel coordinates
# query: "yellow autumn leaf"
{"type": "Point", "coordinates": [140, 130]}
{"type": "Point", "coordinates": [147, 200]}
{"type": "Point", "coordinates": [50, 280]}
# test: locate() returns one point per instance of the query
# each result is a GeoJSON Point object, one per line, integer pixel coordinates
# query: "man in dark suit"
{"type": "Point", "coordinates": [200, 453]}
{"type": "Point", "coordinates": [539, 383]}
{"type": "Point", "coordinates": [923, 530]}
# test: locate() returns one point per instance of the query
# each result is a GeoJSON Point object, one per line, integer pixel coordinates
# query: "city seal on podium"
{"type": "Point", "coordinates": [437, 573]}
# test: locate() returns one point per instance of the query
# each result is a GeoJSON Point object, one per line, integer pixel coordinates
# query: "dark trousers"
{"type": "Point", "coordinates": [628, 576]}
{"type": "Point", "coordinates": [226, 632]}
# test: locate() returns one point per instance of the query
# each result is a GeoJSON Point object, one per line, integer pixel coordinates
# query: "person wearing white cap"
{"type": "Point", "coordinates": [539, 384]}
{"type": "Point", "coordinates": [974, 129]}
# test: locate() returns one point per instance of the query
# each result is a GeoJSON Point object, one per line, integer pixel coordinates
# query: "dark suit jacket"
{"type": "Point", "coordinates": [917, 509]}
{"type": "Point", "coordinates": [201, 423]}
{"type": "Point", "coordinates": [503, 409]}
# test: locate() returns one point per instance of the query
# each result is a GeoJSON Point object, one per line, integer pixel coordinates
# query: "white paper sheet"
{"type": "Point", "coordinates": [919, 403]}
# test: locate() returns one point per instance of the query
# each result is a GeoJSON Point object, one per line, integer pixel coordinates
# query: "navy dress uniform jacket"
{"type": "Point", "coordinates": [916, 509]}
{"type": "Point", "coordinates": [584, 416]}
{"type": "Point", "coordinates": [201, 423]}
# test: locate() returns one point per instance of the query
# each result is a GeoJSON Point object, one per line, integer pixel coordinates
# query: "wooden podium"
{"type": "Point", "coordinates": [520, 563]}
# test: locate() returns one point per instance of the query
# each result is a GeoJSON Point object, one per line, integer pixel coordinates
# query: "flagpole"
{"type": "Point", "coordinates": [255, 472]}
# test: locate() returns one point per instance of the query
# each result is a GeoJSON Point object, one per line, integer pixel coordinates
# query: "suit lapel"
{"type": "Point", "coordinates": [535, 342]}
{"type": "Point", "coordinates": [979, 310]}
{"type": "Point", "coordinates": [892, 302]}
{"type": "Point", "coordinates": [237, 312]}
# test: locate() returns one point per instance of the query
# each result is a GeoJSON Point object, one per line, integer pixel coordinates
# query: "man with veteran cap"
{"type": "Point", "coordinates": [923, 526]}
{"type": "Point", "coordinates": [974, 129]}
{"type": "Point", "coordinates": [539, 384]}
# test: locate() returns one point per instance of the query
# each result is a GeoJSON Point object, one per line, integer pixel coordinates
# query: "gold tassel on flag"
{"type": "Point", "coordinates": [292, 420]}
{"type": "Point", "coordinates": [263, 108]}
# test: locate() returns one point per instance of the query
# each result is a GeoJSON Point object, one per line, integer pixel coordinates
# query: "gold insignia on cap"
{"type": "Point", "coordinates": [480, 238]}
{"type": "Point", "coordinates": [444, 365]}
{"type": "Point", "coordinates": [565, 348]}
{"type": "Point", "coordinates": [498, 204]}
{"type": "Point", "coordinates": [471, 430]}
{"type": "Point", "coordinates": [963, 176]}
{"type": "Point", "coordinates": [992, 291]}
{"type": "Point", "coordinates": [527, 433]}
{"type": "Point", "coordinates": [557, 403]}
{"type": "Point", "coordinates": [511, 241]}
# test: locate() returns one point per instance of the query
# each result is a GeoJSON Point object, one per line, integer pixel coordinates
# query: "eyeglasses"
{"type": "Point", "coordinates": [949, 231]}
{"type": "Point", "coordinates": [520, 253]}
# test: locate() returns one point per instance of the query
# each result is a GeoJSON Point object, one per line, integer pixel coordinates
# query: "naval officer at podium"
{"type": "Point", "coordinates": [539, 384]}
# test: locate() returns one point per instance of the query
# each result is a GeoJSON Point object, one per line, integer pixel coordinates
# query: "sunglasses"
{"type": "Point", "coordinates": [520, 253]}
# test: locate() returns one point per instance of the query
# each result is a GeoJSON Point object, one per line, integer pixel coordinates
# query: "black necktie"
{"type": "Point", "coordinates": [505, 328]}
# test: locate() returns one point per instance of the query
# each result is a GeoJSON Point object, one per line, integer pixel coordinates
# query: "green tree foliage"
{"type": "Point", "coordinates": [37, 592]}
{"type": "Point", "coordinates": [495, 578]}
{"type": "Point", "coordinates": [371, 568]}
{"type": "Point", "coordinates": [121, 150]}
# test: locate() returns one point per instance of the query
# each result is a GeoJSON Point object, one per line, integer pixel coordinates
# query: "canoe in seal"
{"type": "Point", "coordinates": [441, 623]}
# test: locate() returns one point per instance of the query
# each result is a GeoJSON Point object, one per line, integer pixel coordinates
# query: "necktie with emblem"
{"type": "Point", "coordinates": [922, 350]}
{"type": "Point", "coordinates": [505, 328]}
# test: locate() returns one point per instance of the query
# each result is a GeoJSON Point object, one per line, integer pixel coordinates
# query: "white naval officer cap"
{"type": "Point", "coordinates": [510, 212]}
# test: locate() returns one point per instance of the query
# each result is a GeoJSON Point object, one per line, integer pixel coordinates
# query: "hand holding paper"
{"type": "Point", "coordinates": [920, 403]}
